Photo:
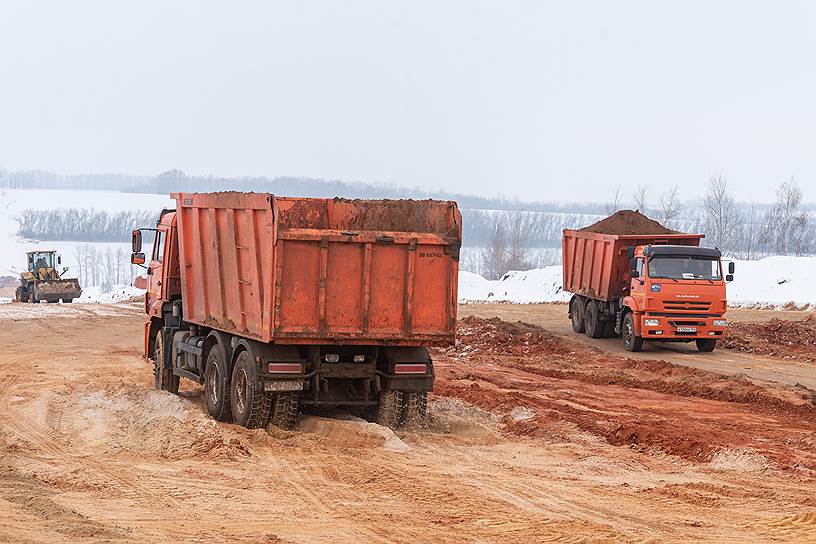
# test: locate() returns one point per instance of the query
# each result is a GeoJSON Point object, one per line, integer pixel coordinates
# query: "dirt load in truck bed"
{"type": "Point", "coordinates": [628, 222]}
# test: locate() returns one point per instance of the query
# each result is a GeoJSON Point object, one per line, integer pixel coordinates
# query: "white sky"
{"type": "Point", "coordinates": [539, 100]}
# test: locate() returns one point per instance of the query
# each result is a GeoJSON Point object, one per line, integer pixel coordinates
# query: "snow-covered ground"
{"type": "Point", "coordinates": [771, 282]}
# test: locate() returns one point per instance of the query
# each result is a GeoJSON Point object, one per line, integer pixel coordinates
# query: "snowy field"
{"type": "Point", "coordinates": [772, 282]}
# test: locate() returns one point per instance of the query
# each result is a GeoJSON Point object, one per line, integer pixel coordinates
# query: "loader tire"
{"type": "Point", "coordinates": [391, 409]}
{"type": "Point", "coordinates": [284, 410]}
{"type": "Point", "coordinates": [250, 404]}
{"type": "Point", "coordinates": [217, 385]}
{"type": "Point", "coordinates": [706, 344]}
{"type": "Point", "coordinates": [163, 377]}
{"type": "Point", "coordinates": [577, 314]}
{"type": "Point", "coordinates": [21, 294]}
{"type": "Point", "coordinates": [416, 409]}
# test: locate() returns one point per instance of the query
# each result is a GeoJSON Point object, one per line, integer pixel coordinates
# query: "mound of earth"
{"type": "Point", "coordinates": [628, 222]}
{"type": "Point", "coordinates": [788, 339]}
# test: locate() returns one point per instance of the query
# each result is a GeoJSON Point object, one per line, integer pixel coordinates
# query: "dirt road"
{"type": "Point", "coordinates": [553, 317]}
{"type": "Point", "coordinates": [534, 438]}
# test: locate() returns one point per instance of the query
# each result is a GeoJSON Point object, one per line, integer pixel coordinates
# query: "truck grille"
{"type": "Point", "coordinates": [687, 306]}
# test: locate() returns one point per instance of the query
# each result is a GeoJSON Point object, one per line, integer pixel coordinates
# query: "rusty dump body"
{"type": "Point", "coordinates": [597, 265]}
{"type": "Point", "coordinates": [320, 271]}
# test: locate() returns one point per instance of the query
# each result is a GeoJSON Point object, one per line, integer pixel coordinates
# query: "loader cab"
{"type": "Point", "coordinates": [43, 264]}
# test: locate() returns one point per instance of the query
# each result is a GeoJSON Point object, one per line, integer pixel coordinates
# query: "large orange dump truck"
{"type": "Point", "coordinates": [645, 287]}
{"type": "Point", "coordinates": [278, 303]}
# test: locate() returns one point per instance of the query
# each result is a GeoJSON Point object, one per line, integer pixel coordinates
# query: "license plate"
{"type": "Point", "coordinates": [284, 385]}
{"type": "Point", "coordinates": [686, 329]}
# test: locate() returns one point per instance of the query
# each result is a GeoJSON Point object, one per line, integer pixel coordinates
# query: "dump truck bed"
{"type": "Point", "coordinates": [596, 265]}
{"type": "Point", "coordinates": [320, 271]}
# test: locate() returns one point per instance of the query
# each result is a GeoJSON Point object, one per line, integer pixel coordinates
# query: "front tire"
{"type": "Point", "coordinates": [217, 385]}
{"type": "Point", "coordinates": [577, 314]}
{"type": "Point", "coordinates": [21, 294]}
{"type": "Point", "coordinates": [631, 342]}
{"type": "Point", "coordinates": [250, 404]}
{"type": "Point", "coordinates": [706, 344]}
{"type": "Point", "coordinates": [163, 377]}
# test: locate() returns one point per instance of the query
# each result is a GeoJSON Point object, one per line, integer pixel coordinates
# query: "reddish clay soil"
{"type": "Point", "coordinates": [783, 338]}
{"type": "Point", "coordinates": [651, 405]}
{"type": "Point", "coordinates": [628, 222]}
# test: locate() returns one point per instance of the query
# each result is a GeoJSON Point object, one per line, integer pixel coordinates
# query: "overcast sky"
{"type": "Point", "coordinates": [537, 100]}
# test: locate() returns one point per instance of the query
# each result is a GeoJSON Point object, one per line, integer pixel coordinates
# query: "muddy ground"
{"type": "Point", "coordinates": [536, 435]}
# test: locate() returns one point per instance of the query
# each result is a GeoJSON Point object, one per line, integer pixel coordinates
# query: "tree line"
{"type": "Point", "coordinates": [81, 224]}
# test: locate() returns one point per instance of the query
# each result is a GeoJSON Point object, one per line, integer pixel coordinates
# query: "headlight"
{"type": "Point", "coordinates": [719, 323]}
{"type": "Point", "coordinates": [652, 322]}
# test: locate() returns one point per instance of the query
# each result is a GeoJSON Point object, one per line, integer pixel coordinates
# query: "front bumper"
{"type": "Point", "coordinates": [682, 328]}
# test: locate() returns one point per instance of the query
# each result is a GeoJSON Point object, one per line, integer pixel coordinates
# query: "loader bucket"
{"type": "Point", "coordinates": [56, 290]}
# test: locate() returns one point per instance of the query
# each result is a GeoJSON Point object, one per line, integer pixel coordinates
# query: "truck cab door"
{"type": "Point", "coordinates": [155, 268]}
{"type": "Point", "coordinates": [637, 288]}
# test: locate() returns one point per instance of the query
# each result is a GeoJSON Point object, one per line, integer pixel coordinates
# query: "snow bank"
{"type": "Point", "coordinates": [118, 293]}
{"type": "Point", "coordinates": [769, 282]}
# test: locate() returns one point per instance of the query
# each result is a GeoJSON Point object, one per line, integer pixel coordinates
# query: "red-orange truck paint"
{"type": "Point", "coordinates": [346, 292]}
{"type": "Point", "coordinates": [607, 300]}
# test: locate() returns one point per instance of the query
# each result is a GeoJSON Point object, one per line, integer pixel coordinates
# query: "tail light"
{"type": "Point", "coordinates": [284, 368]}
{"type": "Point", "coordinates": [410, 368]}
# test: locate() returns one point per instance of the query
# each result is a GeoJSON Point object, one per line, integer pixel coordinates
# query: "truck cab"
{"type": "Point", "coordinates": [676, 293]}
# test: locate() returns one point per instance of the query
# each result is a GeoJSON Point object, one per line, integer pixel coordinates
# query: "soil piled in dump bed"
{"type": "Point", "coordinates": [628, 222]}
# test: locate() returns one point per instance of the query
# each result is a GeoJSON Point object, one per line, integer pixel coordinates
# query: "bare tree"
{"type": "Point", "coordinates": [721, 215]}
{"type": "Point", "coordinates": [519, 234]}
{"type": "Point", "coordinates": [495, 256]}
{"type": "Point", "coordinates": [669, 205]}
{"type": "Point", "coordinates": [615, 204]}
{"type": "Point", "coordinates": [787, 224]}
{"type": "Point", "coordinates": [641, 198]}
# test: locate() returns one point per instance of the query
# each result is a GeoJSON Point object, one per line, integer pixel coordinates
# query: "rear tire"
{"type": "Point", "coordinates": [250, 404]}
{"type": "Point", "coordinates": [163, 377]}
{"type": "Point", "coordinates": [706, 344]}
{"type": "Point", "coordinates": [631, 342]}
{"type": "Point", "coordinates": [416, 409]}
{"type": "Point", "coordinates": [217, 385]}
{"type": "Point", "coordinates": [284, 410]}
{"type": "Point", "coordinates": [391, 408]}
{"type": "Point", "coordinates": [593, 326]}
{"type": "Point", "coordinates": [577, 314]}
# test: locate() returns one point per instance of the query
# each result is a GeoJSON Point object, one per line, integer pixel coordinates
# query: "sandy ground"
{"type": "Point", "coordinates": [535, 437]}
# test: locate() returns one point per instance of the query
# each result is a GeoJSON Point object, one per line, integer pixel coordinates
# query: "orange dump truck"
{"type": "Point", "coordinates": [645, 287]}
{"type": "Point", "coordinates": [278, 303]}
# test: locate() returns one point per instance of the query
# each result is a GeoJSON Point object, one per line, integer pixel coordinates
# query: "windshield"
{"type": "Point", "coordinates": [42, 260]}
{"type": "Point", "coordinates": [682, 267]}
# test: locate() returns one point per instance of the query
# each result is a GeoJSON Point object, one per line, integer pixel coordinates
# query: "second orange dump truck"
{"type": "Point", "coordinates": [645, 287]}
{"type": "Point", "coordinates": [278, 303]}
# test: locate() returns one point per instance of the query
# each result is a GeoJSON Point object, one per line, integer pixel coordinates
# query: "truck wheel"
{"type": "Point", "coordinates": [250, 404]}
{"type": "Point", "coordinates": [284, 410]}
{"type": "Point", "coordinates": [416, 409]}
{"type": "Point", "coordinates": [390, 409]}
{"type": "Point", "coordinates": [577, 314]}
{"type": "Point", "coordinates": [217, 385]}
{"type": "Point", "coordinates": [593, 326]}
{"type": "Point", "coordinates": [631, 342]}
{"type": "Point", "coordinates": [706, 344]}
{"type": "Point", "coordinates": [163, 377]}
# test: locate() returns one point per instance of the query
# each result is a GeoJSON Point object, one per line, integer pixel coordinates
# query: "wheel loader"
{"type": "Point", "coordinates": [42, 283]}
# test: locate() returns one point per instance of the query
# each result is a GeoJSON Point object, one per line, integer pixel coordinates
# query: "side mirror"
{"type": "Point", "coordinates": [729, 277]}
{"type": "Point", "coordinates": [59, 260]}
{"type": "Point", "coordinates": [635, 274]}
{"type": "Point", "coordinates": [731, 267]}
{"type": "Point", "coordinates": [136, 242]}
{"type": "Point", "coordinates": [137, 258]}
